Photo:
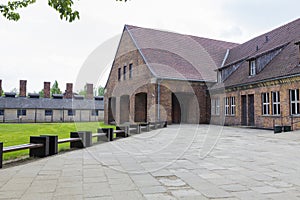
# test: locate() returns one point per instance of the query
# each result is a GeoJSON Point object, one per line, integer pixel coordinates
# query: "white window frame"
{"type": "Point", "coordinates": [215, 106]}
{"type": "Point", "coordinates": [226, 106]}
{"type": "Point", "coordinates": [295, 102]}
{"type": "Point", "coordinates": [276, 103]}
{"type": "Point", "coordinates": [252, 68]}
{"type": "Point", "coordinates": [232, 106]}
{"type": "Point", "coordinates": [265, 99]}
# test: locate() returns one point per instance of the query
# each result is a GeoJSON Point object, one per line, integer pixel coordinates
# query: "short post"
{"type": "Point", "coordinates": [42, 151]}
{"type": "Point", "coordinates": [77, 144]}
{"type": "Point", "coordinates": [53, 144]}
{"type": "Point", "coordinates": [1, 154]}
{"type": "Point", "coordinates": [108, 132]}
{"type": "Point", "coordinates": [88, 139]}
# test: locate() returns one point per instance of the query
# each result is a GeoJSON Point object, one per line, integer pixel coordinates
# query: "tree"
{"type": "Point", "coordinates": [100, 91]}
{"type": "Point", "coordinates": [55, 89]}
{"type": "Point", "coordinates": [63, 7]}
{"type": "Point", "coordinates": [83, 92]}
{"type": "Point", "coordinates": [41, 93]}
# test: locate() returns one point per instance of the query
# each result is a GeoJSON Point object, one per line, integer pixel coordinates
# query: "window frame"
{"type": "Point", "coordinates": [276, 103]}
{"type": "Point", "coordinates": [21, 112]}
{"type": "Point", "coordinates": [124, 72]}
{"type": "Point", "coordinates": [295, 101]}
{"type": "Point", "coordinates": [119, 74]}
{"type": "Point", "coordinates": [215, 106]}
{"type": "Point", "coordinates": [48, 112]}
{"type": "Point", "coordinates": [232, 106]}
{"type": "Point", "coordinates": [2, 112]}
{"type": "Point", "coordinates": [130, 70]}
{"type": "Point", "coordinates": [71, 112]}
{"type": "Point", "coordinates": [265, 99]}
{"type": "Point", "coordinates": [252, 68]}
{"type": "Point", "coordinates": [226, 106]}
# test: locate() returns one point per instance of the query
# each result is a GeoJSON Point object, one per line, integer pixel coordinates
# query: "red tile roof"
{"type": "Point", "coordinates": [177, 56]}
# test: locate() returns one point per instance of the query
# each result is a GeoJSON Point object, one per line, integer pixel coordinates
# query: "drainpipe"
{"type": "Point", "coordinates": [158, 99]}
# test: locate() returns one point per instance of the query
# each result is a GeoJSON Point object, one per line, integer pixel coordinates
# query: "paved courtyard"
{"type": "Point", "coordinates": [179, 162]}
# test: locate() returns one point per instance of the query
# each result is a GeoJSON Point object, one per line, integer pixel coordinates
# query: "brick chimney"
{"type": "Point", "coordinates": [23, 88]}
{"type": "Point", "coordinates": [69, 91]}
{"type": "Point", "coordinates": [89, 91]}
{"type": "Point", "coordinates": [0, 87]}
{"type": "Point", "coordinates": [46, 89]}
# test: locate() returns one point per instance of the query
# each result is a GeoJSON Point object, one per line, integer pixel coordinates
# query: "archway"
{"type": "Point", "coordinates": [124, 108]}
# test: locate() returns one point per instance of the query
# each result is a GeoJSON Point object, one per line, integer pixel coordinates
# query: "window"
{"type": "Point", "coordinates": [48, 112]}
{"type": "Point", "coordinates": [294, 99]}
{"type": "Point", "coordinates": [95, 112]}
{"type": "Point", "coordinates": [215, 106]}
{"type": "Point", "coordinates": [276, 103]}
{"type": "Point", "coordinates": [130, 70]}
{"type": "Point", "coordinates": [252, 68]}
{"type": "Point", "coordinates": [21, 112]}
{"type": "Point", "coordinates": [71, 112]}
{"type": "Point", "coordinates": [1, 112]}
{"type": "Point", "coordinates": [219, 76]}
{"type": "Point", "coordinates": [119, 74]}
{"type": "Point", "coordinates": [226, 100]}
{"type": "Point", "coordinates": [265, 104]}
{"type": "Point", "coordinates": [232, 106]}
{"type": "Point", "coordinates": [124, 72]}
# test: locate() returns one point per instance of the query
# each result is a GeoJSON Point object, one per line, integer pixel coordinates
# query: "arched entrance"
{"type": "Point", "coordinates": [140, 111]}
{"type": "Point", "coordinates": [124, 108]}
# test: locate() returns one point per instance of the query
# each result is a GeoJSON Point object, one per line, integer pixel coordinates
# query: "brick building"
{"type": "Point", "coordinates": [158, 75]}
{"type": "Point", "coordinates": [67, 107]}
{"type": "Point", "coordinates": [259, 82]}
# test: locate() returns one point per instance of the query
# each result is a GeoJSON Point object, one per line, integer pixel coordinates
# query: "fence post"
{"type": "Point", "coordinates": [1, 154]}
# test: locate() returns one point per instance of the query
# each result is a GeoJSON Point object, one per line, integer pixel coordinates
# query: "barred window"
{"type": "Point", "coordinates": [71, 112]}
{"type": "Point", "coordinates": [294, 102]}
{"type": "Point", "coordinates": [265, 104]}
{"type": "Point", "coordinates": [1, 112]}
{"type": "Point", "coordinates": [276, 103]}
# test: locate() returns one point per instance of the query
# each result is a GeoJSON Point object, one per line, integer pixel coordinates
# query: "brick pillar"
{"type": "Point", "coordinates": [23, 88]}
{"type": "Point", "coordinates": [0, 87]}
{"type": "Point", "coordinates": [46, 89]}
{"type": "Point", "coordinates": [69, 91]}
{"type": "Point", "coordinates": [89, 91]}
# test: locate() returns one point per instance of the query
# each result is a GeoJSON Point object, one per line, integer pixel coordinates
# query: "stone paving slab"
{"type": "Point", "coordinates": [179, 162]}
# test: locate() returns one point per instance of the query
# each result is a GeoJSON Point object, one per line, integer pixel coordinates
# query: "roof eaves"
{"type": "Point", "coordinates": [143, 56]}
{"type": "Point", "coordinates": [186, 79]}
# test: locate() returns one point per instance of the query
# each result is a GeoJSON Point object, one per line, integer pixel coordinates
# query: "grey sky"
{"type": "Point", "coordinates": [40, 47]}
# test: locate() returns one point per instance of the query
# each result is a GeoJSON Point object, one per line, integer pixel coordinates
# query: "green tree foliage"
{"type": "Point", "coordinates": [83, 92]}
{"type": "Point", "coordinates": [55, 89]}
{"type": "Point", "coordinates": [41, 93]}
{"type": "Point", "coordinates": [100, 91]}
{"type": "Point", "coordinates": [63, 7]}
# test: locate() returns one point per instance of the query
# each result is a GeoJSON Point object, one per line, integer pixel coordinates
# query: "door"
{"type": "Point", "coordinates": [251, 110]}
{"type": "Point", "coordinates": [244, 110]}
{"type": "Point", "coordinates": [176, 110]}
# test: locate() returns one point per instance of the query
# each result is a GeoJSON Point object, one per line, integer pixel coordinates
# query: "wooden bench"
{"type": "Point", "coordinates": [38, 147]}
{"type": "Point", "coordinates": [104, 134]}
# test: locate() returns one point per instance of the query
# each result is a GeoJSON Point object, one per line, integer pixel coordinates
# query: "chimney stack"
{"type": "Point", "coordinates": [46, 89]}
{"type": "Point", "coordinates": [0, 87]}
{"type": "Point", "coordinates": [23, 88]}
{"type": "Point", "coordinates": [69, 91]}
{"type": "Point", "coordinates": [89, 91]}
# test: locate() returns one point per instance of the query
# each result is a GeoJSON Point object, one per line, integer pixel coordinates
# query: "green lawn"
{"type": "Point", "coordinates": [15, 134]}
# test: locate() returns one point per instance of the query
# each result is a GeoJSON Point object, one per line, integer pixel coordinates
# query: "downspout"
{"type": "Point", "coordinates": [158, 99]}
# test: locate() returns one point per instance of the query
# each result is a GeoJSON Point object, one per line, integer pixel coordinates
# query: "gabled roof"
{"type": "Point", "coordinates": [176, 56]}
{"type": "Point", "coordinates": [285, 64]}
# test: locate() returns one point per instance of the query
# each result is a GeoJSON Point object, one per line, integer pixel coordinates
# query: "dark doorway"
{"type": "Point", "coordinates": [140, 112]}
{"type": "Point", "coordinates": [176, 111]}
{"type": "Point", "coordinates": [111, 109]}
{"type": "Point", "coordinates": [251, 110]}
{"type": "Point", "coordinates": [124, 108]}
{"type": "Point", "coordinates": [244, 110]}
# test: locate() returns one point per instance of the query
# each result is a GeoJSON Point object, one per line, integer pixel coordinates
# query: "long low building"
{"type": "Point", "coordinates": [32, 108]}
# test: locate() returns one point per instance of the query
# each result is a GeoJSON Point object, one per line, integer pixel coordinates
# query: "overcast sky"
{"type": "Point", "coordinates": [40, 47]}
